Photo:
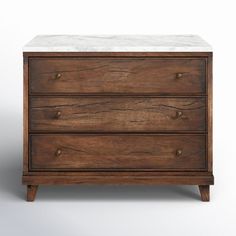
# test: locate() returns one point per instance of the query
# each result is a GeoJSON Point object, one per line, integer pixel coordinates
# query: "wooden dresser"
{"type": "Point", "coordinates": [117, 110]}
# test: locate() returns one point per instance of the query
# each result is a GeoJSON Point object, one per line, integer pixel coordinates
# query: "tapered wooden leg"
{"type": "Point", "coordinates": [31, 192]}
{"type": "Point", "coordinates": [205, 192]}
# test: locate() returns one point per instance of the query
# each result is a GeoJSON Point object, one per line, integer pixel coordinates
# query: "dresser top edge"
{"type": "Point", "coordinates": [117, 43]}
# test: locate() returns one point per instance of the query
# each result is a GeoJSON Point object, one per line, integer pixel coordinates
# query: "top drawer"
{"type": "Point", "coordinates": [117, 75]}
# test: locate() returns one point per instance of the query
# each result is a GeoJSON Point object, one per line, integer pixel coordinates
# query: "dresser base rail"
{"type": "Point", "coordinates": [33, 181]}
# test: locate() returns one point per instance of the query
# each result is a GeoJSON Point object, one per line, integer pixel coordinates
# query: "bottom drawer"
{"type": "Point", "coordinates": [136, 152]}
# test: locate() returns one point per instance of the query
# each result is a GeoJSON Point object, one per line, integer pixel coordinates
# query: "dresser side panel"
{"type": "Point", "coordinates": [25, 114]}
{"type": "Point", "coordinates": [210, 112]}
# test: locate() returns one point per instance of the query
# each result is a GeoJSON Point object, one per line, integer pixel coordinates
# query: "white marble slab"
{"type": "Point", "coordinates": [117, 43]}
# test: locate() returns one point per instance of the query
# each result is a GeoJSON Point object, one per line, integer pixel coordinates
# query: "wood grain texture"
{"type": "Point", "coordinates": [205, 192]}
{"type": "Point", "coordinates": [117, 114]}
{"type": "Point", "coordinates": [144, 81]}
{"type": "Point", "coordinates": [31, 192]}
{"type": "Point", "coordinates": [209, 114]}
{"type": "Point", "coordinates": [117, 152]}
{"type": "Point", "coordinates": [118, 172]}
{"type": "Point", "coordinates": [117, 75]}
{"type": "Point", "coordinates": [108, 179]}
{"type": "Point", "coordinates": [25, 114]}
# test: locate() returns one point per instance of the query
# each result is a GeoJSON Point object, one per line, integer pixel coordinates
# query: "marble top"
{"type": "Point", "coordinates": [117, 43]}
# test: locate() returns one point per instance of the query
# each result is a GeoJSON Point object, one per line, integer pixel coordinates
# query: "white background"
{"type": "Point", "coordinates": [102, 210]}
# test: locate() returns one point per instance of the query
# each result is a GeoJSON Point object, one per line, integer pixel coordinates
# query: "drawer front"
{"type": "Point", "coordinates": [117, 75]}
{"type": "Point", "coordinates": [117, 114]}
{"type": "Point", "coordinates": [78, 152]}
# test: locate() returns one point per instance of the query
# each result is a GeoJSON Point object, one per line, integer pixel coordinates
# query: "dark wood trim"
{"type": "Point", "coordinates": [117, 54]}
{"type": "Point", "coordinates": [119, 173]}
{"type": "Point", "coordinates": [42, 170]}
{"type": "Point", "coordinates": [122, 133]}
{"type": "Point", "coordinates": [25, 114]}
{"type": "Point", "coordinates": [156, 95]}
{"type": "Point", "coordinates": [150, 180]}
{"type": "Point", "coordinates": [160, 132]}
{"type": "Point", "coordinates": [209, 113]}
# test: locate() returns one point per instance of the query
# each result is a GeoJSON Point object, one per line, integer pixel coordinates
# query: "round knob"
{"type": "Point", "coordinates": [179, 75]}
{"type": "Point", "coordinates": [179, 152]}
{"type": "Point", "coordinates": [58, 76]}
{"type": "Point", "coordinates": [58, 114]}
{"type": "Point", "coordinates": [58, 152]}
{"type": "Point", "coordinates": [179, 113]}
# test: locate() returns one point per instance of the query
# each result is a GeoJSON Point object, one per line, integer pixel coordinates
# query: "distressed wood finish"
{"type": "Point", "coordinates": [67, 152]}
{"type": "Point", "coordinates": [205, 192]}
{"type": "Point", "coordinates": [117, 75]}
{"type": "Point", "coordinates": [118, 172]}
{"type": "Point", "coordinates": [116, 114]}
{"type": "Point", "coordinates": [209, 113]}
{"type": "Point", "coordinates": [125, 85]}
{"type": "Point", "coordinates": [123, 179]}
{"type": "Point", "coordinates": [25, 115]}
{"type": "Point", "coordinates": [31, 192]}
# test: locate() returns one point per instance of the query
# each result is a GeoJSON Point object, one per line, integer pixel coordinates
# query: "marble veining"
{"type": "Point", "coordinates": [117, 43]}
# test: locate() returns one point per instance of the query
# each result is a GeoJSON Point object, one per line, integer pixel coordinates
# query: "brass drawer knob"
{"type": "Point", "coordinates": [179, 152]}
{"type": "Point", "coordinates": [58, 152]}
{"type": "Point", "coordinates": [58, 76]}
{"type": "Point", "coordinates": [58, 115]}
{"type": "Point", "coordinates": [179, 114]}
{"type": "Point", "coordinates": [179, 75]}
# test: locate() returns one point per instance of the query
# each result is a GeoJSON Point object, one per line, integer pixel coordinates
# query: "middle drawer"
{"type": "Point", "coordinates": [117, 114]}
